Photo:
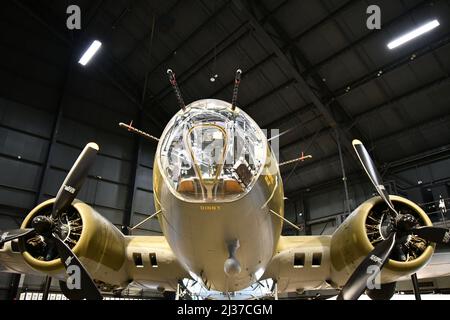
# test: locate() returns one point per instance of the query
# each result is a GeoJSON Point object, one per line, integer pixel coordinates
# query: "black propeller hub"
{"type": "Point", "coordinates": [43, 225]}
{"type": "Point", "coordinates": [387, 226]}
{"type": "Point", "coordinates": [406, 222]}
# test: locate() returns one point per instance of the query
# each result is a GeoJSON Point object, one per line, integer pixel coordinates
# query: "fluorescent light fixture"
{"type": "Point", "coordinates": [90, 52]}
{"type": "Point", "coordinates": [413, 34]}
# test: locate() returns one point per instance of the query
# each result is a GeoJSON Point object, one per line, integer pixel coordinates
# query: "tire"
{"type": "Point", "coordinates": [386, 292]}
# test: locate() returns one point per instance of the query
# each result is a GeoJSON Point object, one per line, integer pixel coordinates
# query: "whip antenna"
{"type": "Point", "coordinates": [176, 89]}
{"type": "Point", "coordinates": [237, 81]}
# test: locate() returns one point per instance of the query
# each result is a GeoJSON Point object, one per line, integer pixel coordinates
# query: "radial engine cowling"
{"type": "Point", "coordinates": [365, 227]}
{"type": "Point", "coordinates": [95, 241]}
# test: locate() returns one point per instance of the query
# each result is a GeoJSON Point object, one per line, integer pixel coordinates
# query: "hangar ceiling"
{"type": "Point", "coordinates": [310, 65]}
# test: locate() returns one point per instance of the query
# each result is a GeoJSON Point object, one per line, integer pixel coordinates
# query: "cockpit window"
{"type": "Point", "coordinates": [210, 153]}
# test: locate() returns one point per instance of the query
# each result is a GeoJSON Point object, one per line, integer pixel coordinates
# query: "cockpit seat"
{"type": "Point", "coordinates": [224, 186]}
{"type": "Point", "coordinates": [231, 186]}
{"type": "Point", "coordinates": [187, 186]}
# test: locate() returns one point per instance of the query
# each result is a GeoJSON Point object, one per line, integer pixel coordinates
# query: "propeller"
{"type": "Point", "coordinates": [85, 285]}
{"type": "Point", "coordinates": [75, 178]}
{"type": "Point", "coordinates": [14, 234]}
{"type": "Point", "coordinates": [357, 283]}
{"type": "Point", "coordinates": [50, 227]}
{"type": "Point", "coordinates": [433, 234]}
{"type": "Point", "coordinates": [372, 172]}
{"type": "Point", "coordinates": [401, 225]}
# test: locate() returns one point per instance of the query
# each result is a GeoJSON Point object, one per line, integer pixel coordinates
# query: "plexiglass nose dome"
{"type": "Point", "coordinates": [210, 153]}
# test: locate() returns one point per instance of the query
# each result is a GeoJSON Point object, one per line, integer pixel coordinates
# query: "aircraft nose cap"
{"type": "Point", "coordinates": [232, 267]}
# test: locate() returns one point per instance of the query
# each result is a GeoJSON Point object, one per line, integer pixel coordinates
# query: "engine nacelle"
{"type": "Point", "coordinates": [95, 241]}
{"type": "Point", "coordinates": [356, 236]}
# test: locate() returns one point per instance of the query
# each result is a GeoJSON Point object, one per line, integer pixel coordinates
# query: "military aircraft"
{"type": "Point", "coordinates": [219, 198]}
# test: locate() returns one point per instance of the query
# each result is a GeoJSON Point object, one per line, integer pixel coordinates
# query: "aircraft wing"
{"type": "Point", "coordinates": [159, 269]}
{"type": "Point", "coordinates": [301, 263]}
{"type": "Point", "coordinates": [149, 263]}
{"type": "Point", "coordinates": [11, 260]}
{"type": "Point", "coordinates": [439, 266]}
{"type": "Point", "coordinates": [304, 263]}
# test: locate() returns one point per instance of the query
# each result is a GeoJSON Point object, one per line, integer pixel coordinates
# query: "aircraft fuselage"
{"type": "Point", "coordinates": [202, 233]}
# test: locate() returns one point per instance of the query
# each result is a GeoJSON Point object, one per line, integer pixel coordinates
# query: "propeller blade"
{"type": "Point", "coordinates": [357, 283]}
{"type": "Point", "coordinates": [81, 283]}
{"type": "Point", "coordinates": [372, 172]}
{"type": "Point", "coordinates": [74, 180]}
{"type": "Point", "coordinates": [433, 234]}
{"type": "Point", "coordinates": [70, 294]}
{"type": "Point", "coordinates": [14, 234]}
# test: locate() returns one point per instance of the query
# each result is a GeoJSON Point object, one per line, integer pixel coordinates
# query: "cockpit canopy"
{"type": "Point", "coordinates": [210, 153]}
